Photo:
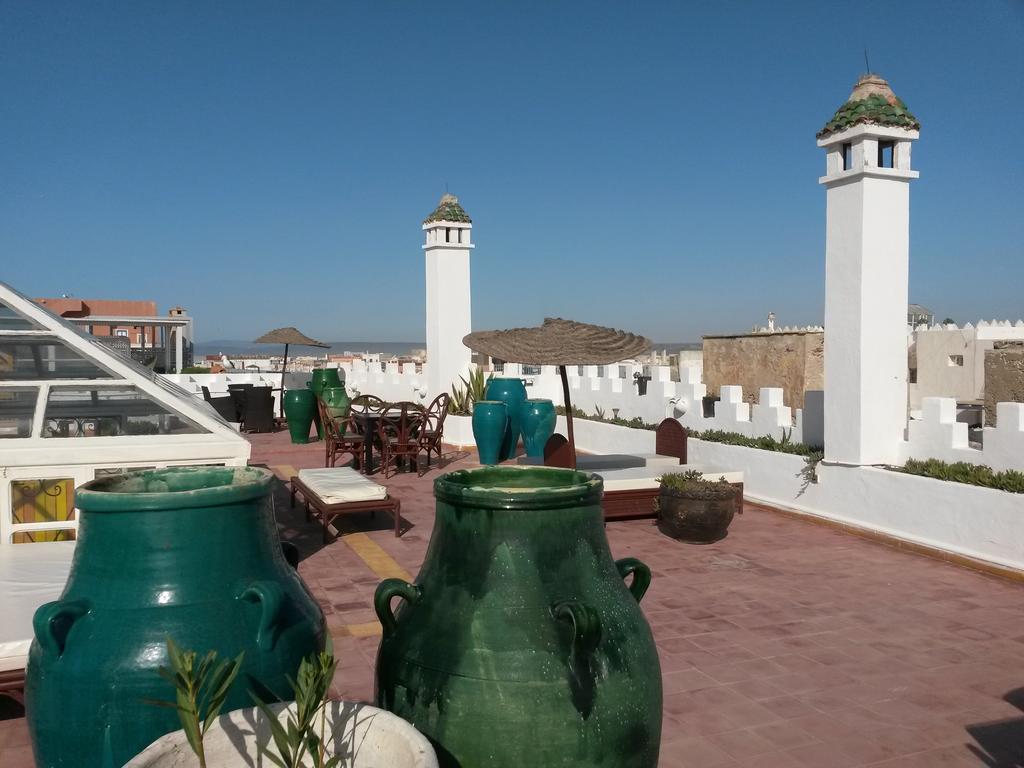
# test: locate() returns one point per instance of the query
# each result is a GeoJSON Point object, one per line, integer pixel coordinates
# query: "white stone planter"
{"type": "Point", "coordinates": [367, 736]}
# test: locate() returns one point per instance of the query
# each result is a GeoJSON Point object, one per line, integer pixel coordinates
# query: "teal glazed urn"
{"type": "Point", "coordinates": [338, 404]}
{"type": "Point", "coordinates": [490, 423]}
{"type": "Point", "coordinates": [299, 409]}
{"type": "Point", "coordinates": [512, 392]}
{"type": "Point", "coordinates": [188, 553]}
{"type": "Point", "coordinates": [537, 423]}
{"type": "Point", "coordinates": [521, 644]}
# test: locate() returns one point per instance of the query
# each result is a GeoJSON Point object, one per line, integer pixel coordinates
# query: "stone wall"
{"type": "Point", "coordinates": [1004, 376]}
{"type": "Point", "coordinates": [793, 361]}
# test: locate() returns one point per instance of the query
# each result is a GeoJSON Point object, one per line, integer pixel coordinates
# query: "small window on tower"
{"type": "Point", "coordinates": [448, 234]}
{"type": "Point", "coordinates": [847, 156]}
{"type": "Point", "coordinates": [886, 154]}
{"type": "Point", "coordinates": [956, 360]}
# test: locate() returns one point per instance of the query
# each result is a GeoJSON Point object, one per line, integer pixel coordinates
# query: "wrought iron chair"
{"type": "Point", "coordinates": [399, 436]}
{"type": "Point", "coordinates": [340, 437]}
{"type": "Point", "coordinates": [432, 430]}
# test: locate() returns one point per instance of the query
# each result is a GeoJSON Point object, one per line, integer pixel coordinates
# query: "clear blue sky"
{"type": "Point", "coordinates": [648, 166]}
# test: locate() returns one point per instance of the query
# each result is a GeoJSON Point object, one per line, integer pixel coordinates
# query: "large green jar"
{"type": "Point", "coordinates": [322, 378]}
{"type": "Point", "coordinates": [337, 403]}
{"type": "Point", "coordinates": [512, 392]}
{"type": "Point", "coordinates": [299, 409]}
{"type": "Point", "coordinates": [190, 554]}
{"type": "Point", "coordinates": [520, 644]}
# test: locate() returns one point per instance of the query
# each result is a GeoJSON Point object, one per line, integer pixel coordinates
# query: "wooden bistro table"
{"type": "Point", "coordinates": [368, 420]}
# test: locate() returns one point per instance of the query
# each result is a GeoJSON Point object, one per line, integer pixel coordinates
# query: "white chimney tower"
{"type": "Point", "coordinates": [447, 250]}
{"type": "Point", "coordinates": [867, 265]}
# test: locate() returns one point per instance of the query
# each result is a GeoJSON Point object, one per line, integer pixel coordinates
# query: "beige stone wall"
{"type": "Point", "coordinates": [793, 361]}
{"type": "Point", "coordinates": [1004, 377]}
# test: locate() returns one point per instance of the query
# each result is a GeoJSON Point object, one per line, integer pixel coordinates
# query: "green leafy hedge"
{"type": "Point", "coordinates": [579, 413]}
{"type": "Point", "coordinates": [765, 442]}
{"type": "Point", "coordinates": [962, 472]}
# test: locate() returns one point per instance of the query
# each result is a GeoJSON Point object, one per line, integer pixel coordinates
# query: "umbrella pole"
{"type": "Point", "coordinates": [568, 413]}
{"type": "Point", "coordinates": [284, 367]}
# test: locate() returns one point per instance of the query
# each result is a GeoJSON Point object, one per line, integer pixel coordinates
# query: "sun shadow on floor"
{"type": "Point", "coordinates": [1001, 741]}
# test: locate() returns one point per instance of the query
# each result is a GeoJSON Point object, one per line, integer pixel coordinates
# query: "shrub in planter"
{"type": "Point", "coordinates": [693, 509]}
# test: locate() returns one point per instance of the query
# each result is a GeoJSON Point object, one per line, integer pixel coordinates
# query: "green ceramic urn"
{"type": "Point", "coordinates": [188, 553]}
{"type": "Point", "coordinates": [520, 644]}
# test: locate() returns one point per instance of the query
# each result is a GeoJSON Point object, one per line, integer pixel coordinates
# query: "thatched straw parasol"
{"type": "Point", "coordinates": [288, 336]}
{"type": "Point", "coordinates": [559, 342]}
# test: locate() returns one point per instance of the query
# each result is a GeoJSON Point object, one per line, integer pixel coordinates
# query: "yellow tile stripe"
{"type": "Point", "coordinates": [370, 629]}
{"type": "Point", "coordinates": [284, 472]}
{"type": "Point", "coordinates": [379, 561]}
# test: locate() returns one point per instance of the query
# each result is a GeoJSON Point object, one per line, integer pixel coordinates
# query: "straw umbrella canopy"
{"type": "Point", "coordinates": [560, 342]}
{"type": "Point", "coordinates": [288, 336]}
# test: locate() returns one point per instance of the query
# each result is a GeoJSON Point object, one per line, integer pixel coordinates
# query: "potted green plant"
{"type": "Point", "coordinates": [311, 731]}
{"type": "Point", "coordinates": [693, 509]}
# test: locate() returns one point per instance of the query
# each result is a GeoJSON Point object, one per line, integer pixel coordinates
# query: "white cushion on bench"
{"type": "Point", "coordinates": [642, 478]}
{"type": "Point", "coordinates": [339, 485]}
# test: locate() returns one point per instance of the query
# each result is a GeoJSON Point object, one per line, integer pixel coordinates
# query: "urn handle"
{"type": "Point", "coordinates": [586, 624]}
{"type": "Point", "coordinates": [388, 589]}
{"type": "Point", "coordinates": [270, 596]}
{"type": "Point", "coordinates": [641, 575]}
{"type": "Point", "coordinates": [52, 623]}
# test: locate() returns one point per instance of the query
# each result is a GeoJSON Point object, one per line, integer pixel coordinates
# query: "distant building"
{"type": "Point", "coordinates": [790, 358]}
{"type": "Point", "coordinates": [132, 327]}
{"type": "Point", "coordinates": [70, 307]}
{"type": "Point", "coordinates": [916, 315]}
{"type": "Point", "coordinates": [949, 361]}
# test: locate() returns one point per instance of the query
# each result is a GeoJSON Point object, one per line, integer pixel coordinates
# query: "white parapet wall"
{"type": "Point", "coordinates": [938, 435]}
{"type": "Point", "coordinates": [967, 520]}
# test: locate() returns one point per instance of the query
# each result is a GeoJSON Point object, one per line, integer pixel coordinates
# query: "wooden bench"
{"type": "Point", "coordinates": [329, 508]}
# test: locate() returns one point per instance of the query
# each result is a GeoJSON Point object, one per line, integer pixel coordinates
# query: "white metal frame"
{"type": "Point", "coordinates": [39, 458]}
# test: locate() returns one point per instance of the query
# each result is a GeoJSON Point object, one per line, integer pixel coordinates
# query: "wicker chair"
{"type": "Point", "coordinates": [258, 415]}
{"type": "Point", "coordinates": [399, 436]}
{"type": "Point", "coordinates": [340, 437]}
{"type": "Point", "coordinates": [432, 432]}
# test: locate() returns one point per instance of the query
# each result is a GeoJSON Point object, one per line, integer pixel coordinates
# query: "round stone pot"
{"type": "Point", "coordinates": [697, 516]}
{"type": "Point", "coordinates": [537, 423]}
{"type": "Point", "coordinates": [490, 423]}
{"type": "Point", "coordinates": [512, 392]}
{"type": "Point", "coordinates": [365, 736]}
{"type": "Point", "coordinates": [299, 409]}
{"type": "Point", "coordinates": [520, 643]}
{"type": "Point", "coordinates": [191, 554]}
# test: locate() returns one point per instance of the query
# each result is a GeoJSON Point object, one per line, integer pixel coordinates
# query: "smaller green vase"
{"type": "Point", "coordinates": [322, 379]}
{"type": "Point", "coordinates": [490, 422]}
{"type": "Point", "coordinates": [299, 409]}
{"type": "Point", "coordinates": [338, 404]}
{"type": "Point", "coordinates": [537, 422]}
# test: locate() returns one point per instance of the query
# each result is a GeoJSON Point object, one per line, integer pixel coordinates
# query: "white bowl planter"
{"type": "Point", "coordinates": [368, 738]}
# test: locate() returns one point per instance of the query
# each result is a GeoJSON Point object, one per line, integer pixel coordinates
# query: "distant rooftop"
{"type": "Point", "coordinates": [872, 101]}
{"type": "Point", "coordinates": [449, 210]}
